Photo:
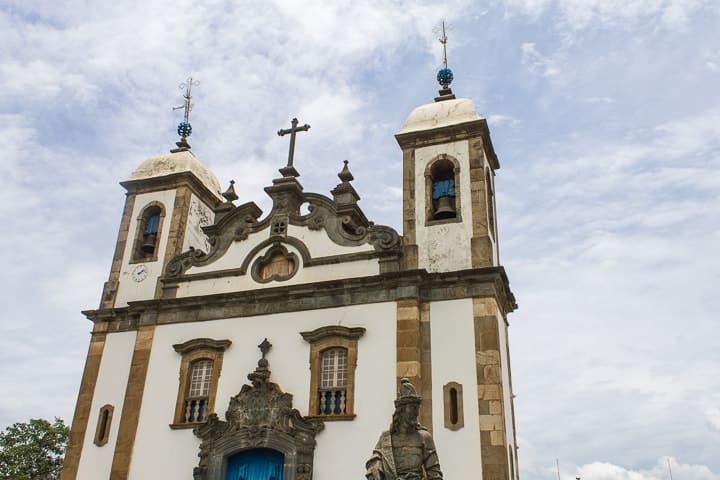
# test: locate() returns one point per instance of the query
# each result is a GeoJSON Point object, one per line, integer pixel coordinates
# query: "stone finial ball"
{"type": "Point", "coordinates": [445, 77]}
{"type": "Point", "coordinates": [184, 129]}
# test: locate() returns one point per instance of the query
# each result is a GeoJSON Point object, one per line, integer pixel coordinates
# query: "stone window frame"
{"type": "Point", "coordinates": [102, 431]}
{"type": "Point", "coordinates": [137, 255]}
{"type": "Point", "coordinates": [453, 406]}
{"type": "Point", "coordinates": [320, 340]}
{"type": "Point", "coordinates": [192, 351]}
{"type": "Point", "coordinates": [428, 191]}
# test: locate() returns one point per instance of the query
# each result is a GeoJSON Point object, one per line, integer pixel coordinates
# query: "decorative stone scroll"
{"type": "Point", "coordinates": [342, 219]}
{"type": "Point", "coordinates": [260, 416]}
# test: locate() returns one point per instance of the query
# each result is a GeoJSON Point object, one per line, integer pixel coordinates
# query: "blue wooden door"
{"type": "Point", "coordinates": [256, 464]}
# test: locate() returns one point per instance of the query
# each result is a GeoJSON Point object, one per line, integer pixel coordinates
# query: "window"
{"type": "Point", "coordinates": [333, 382]}
{"type": "Point", "coordinates": [199, 374]}
{"type": "Point", "coordinates": [102, 432]}
{"type": "Point", "coordinates": [333, 358]}
{"type": "Point", "coordinates": [442, 195]}
{"type": "Point", "coordinates": [196, 401]}
{"type": "Point", "coordinates": [453, 403]}
{"type": "Point", "coordinates": [147, 237]}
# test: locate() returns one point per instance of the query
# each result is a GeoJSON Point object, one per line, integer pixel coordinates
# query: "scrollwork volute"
{"type": "Point", "coordinates": [345, 225]}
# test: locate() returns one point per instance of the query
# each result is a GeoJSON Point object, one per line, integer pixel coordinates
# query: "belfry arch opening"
{"type": "Point", "coordinates": [148, 233]}
{"type": "Point", "coordinates": [442, 196]}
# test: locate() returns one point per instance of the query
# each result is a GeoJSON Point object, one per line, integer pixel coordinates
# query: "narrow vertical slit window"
{"type": "Point", "coordinates": [453, 406]}
{"type": "Point", "coordinates": [453, 403]}
{"type": "Point", "coordinates": [102, 432]}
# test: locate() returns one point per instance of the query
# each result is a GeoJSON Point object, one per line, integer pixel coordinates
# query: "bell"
{"type": "Point", "coordinates": [445, 208]}
{"type": "Point", "coordinates": [148, 245]}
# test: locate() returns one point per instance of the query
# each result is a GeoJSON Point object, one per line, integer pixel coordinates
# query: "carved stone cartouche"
{"type": "Point", "coordinates": [260, 416]}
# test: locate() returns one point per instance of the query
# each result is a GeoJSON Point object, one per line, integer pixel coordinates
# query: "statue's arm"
{"type": "Point", "coordinates": [374, 467]}
{"type": "Point", "coordinates": [430, 459]}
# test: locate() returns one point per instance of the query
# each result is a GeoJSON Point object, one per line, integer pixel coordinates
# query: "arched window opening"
{"type": "Point", "coordinates": [196, 401]}
{"type": "Point", "coordinates": [442, 179]}
{"type": "Point", "coordinates": [333, 382]}
{"type": "Point", "coordinates": [151, 224]}
{"type": "Point", "coordinates": [490, 203]}
{"type": "Point", "coordinates": [148, 233]}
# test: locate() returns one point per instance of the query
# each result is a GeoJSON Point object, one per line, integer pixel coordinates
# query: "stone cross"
{"type": "Point", "coordinates": [289, 170]}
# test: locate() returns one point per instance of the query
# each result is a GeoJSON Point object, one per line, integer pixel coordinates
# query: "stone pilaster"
{"type": "Point", "coordinates": [82, 408]}
{"type": "Point", "coordinates": [132, 403]}
{"type": "Point", "coordinates": [481, 247]}
{"type": "Point", "coordinates": [111, 286]}
{"type": "Point", "coordinates": [493, 450]}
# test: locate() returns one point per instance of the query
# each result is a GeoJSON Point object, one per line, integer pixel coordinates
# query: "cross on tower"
{"type": "Point", "coordinates": [289, 170]}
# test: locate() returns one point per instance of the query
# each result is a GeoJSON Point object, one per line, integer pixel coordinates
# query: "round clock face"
{"type": "Point", "coordinates": [139, 273]}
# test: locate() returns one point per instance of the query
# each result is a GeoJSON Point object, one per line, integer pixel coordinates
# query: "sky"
{"type": "Point", "coordinates": [605, 116]}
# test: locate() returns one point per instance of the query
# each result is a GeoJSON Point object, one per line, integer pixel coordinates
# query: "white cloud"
{"type": "Point", "coordinates": [713, 418]}
{"type": "Point", "coordinates": [582, 14]}
{"type": "Point", "coordinates": [538, 63]}
{"type": "Point", "coordinates": [661, 471]}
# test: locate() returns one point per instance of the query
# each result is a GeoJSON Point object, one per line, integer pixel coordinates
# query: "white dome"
{"type": "Point", "coordinates": [440, 114]}
{"type": "Point", "coordinates": [175, 163]}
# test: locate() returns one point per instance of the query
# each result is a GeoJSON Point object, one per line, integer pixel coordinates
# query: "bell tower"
{"type": "Point", "coordinates": [169, 199]}
{"type": "Point", "coordinates": [448, 194]}
{"type": "Point", "coordinates": [456, 350]}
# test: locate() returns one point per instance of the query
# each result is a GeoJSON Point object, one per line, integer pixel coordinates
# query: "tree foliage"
{"type": "Point", "coordinates": [33, 450]}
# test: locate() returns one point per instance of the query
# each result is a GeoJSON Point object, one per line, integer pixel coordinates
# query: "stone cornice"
{"type": "Point", "coordinates": [174, 180]}
{"type": "Point", "coordinates": [388, 287]}
{"type": "Point", "coordinates": [452, 133]}
{"type": "Point", "coordinates": [202, 344]}
{"type": "Point", "coordinates": [333, 331]}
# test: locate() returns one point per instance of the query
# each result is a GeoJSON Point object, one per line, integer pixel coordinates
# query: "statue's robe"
{"type": "Point", "coordinates": [409, 456]}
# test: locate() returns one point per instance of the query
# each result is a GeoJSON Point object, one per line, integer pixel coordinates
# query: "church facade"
{"type": "Point", "coordinates": [234, 343]}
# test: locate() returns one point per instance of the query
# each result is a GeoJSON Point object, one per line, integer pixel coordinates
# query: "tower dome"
{"type": "Point", "coordinates": [177, 162]}
{"type": "Point", "coordinates": [440, 114]}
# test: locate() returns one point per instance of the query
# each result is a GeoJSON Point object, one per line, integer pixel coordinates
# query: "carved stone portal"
{"type": "Point", "coordinates": [260, 416]}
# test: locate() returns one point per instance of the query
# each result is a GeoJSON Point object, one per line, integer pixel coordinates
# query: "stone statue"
{"type": "Point", "coordinates": [407, 450]}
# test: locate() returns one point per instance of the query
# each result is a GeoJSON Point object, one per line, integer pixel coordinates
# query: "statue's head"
{"type": "Point", "coordinates": [407, 407]}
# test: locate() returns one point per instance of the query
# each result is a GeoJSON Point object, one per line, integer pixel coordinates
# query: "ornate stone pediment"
{"type": "Point", "coordinates": [260, 416]}
{"type": "Point", "coordinates": [340, 217]}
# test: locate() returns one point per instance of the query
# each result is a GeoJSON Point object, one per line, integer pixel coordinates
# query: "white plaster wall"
{"type": "Point", "coordinates": [452, 348]}
{"type": "Point", "coordinates": [95, 462]}
{"type": "Point", "coordinates": [199, 215]}
{"type": "Point", "coordinates": [342, 448]}
{"type": "Point", "coordinates": [130, 290]}
{"type": "Point", "coordinates": [444, 247]}
{"type": "Point", "coordinates": [318, 273]}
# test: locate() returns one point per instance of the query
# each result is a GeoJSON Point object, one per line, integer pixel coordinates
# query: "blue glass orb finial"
{"type": "Point", "coordinates": [445, 77]}
{"type": "Point", "coordinates": [184, 129]}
